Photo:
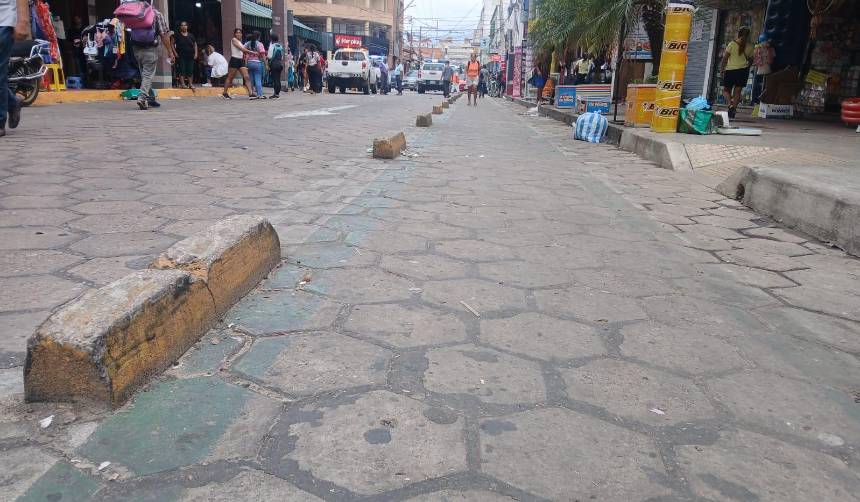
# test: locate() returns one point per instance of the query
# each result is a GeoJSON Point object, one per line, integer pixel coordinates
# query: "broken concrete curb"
{"type": "Point", "coordinates": [445, 104]}
{"type": "Point", "coordinates": [424, 120]}
{"type": "Point", "coordinates": [389, 148]}
{"type": "Point", "coordinates": [231, 257]}
{"type": "Point", "coordinates": [816, 201]}
{"type": "Point", "coordinates": [437, 109]}
{"type": "Point", "coordinates": [106, 343]}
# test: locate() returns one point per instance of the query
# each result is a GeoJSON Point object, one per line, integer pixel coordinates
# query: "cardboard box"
{"type": "Point", "coordinates": [768, 111]}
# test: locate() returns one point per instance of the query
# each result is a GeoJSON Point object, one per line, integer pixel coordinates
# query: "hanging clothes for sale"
{"type": "Point", "coordinates": [42, 26]}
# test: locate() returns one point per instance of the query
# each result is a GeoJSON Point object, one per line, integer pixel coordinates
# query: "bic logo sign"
{"type": "Point", "coordinates": [647, 107]}
{"type": "Point", "coordinates": [670, 85]}
{"type": "Point", "coordinates": [667, 112]}
{"type": "Point", "coordinates": [680, 10]}
{"type": "Point", "coordinates": [675, 46]}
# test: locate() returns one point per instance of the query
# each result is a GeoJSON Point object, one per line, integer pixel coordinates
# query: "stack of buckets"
{"type": "Point", "coordinates": [673, 63]}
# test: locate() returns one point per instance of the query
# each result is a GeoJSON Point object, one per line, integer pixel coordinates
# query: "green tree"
{"type": "Point", "coordinates": [595, 24]}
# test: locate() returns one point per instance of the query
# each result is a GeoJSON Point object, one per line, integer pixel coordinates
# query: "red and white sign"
{"type": "Point", "coordinates": [349, 41]}
{"type": "Point", "coordinates": [496, 58]}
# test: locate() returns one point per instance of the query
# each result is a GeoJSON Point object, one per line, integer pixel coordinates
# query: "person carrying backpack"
{"type": "Point", "coordinates": [276, 64]}
{"type": "Point", "coordinates": [147, 27]}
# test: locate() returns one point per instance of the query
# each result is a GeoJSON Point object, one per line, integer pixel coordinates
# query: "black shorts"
{"type": "Point", "coordinates": [736, 78]}
{"type": "Point", "coordinates": [236, 63]}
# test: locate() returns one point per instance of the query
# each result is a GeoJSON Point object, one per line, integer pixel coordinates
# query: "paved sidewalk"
{"type": "Point", "coordinates": [508, 315]}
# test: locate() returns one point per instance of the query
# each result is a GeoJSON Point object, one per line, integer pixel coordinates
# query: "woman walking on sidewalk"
{"type": "Point", "coordinates": [735, 69]}
{"type": "Point", "coordinates": [276, 64]}
{"type": "Point", "coordinates": [237, 64]}
{"type": "Point", "coordinates": [256, 57]}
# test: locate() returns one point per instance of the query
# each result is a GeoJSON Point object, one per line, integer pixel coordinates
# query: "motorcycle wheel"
{"type": "Point", "coordinates": [27, 94]}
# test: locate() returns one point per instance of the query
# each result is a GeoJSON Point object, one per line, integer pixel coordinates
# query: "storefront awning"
{"type": "Point", "coordinates": [260, 16]}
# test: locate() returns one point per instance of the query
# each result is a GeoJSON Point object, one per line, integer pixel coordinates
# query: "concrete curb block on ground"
{"type": "Point", "coordinates": [437, 109]}
{"type": "Point", "coordinates": [103, 345]}
{"type": "Point", "coordinates": [445, 104]}
{"type": "Point", "coordinates": [389, 148]}
{"type": "Point", "coordinates": [666, 154]}
{"type": "Point", "coordinates": [813, 202]}
{"type": "Point", "coordinates": [424, 120]}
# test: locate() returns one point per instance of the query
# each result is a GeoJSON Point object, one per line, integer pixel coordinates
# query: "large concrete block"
{"type": "Point", "coordinates": [389, 148]}
{"type": "Point", "coordinates": [445, 104]}
{"type": "Point", "coordinates": [230, 257]}
{"type": "Point", "coordinates": [437, 109]}
{"type": "Point", "coordinates": [104, 344]}
{"type": "Point", "coordinates": [424, 120]}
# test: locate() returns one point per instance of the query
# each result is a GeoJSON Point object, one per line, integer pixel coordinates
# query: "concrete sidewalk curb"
{"type": "Point", "coordinates": [103, 345]}
{"type": "Point", "coordinates": [823, 209]}
{"type": "Point", "coordinates": [446, 104]}
{"type": "Point", "coordinates": [666, 154]}
{"type": "Point", "coordinates": [437, 109]}
{"type": "Point", "coordinates": [424, 120]}
{"type": "Point", "coordinates": [389, 148]}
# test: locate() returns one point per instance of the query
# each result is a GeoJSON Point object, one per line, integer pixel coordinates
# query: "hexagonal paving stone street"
{"type": "Point", "coordinates": [501, 313]}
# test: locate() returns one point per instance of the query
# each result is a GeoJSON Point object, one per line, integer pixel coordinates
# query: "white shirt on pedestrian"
{"type": "Point", "coordinates": [8, 13]}
{"type": "Point", "coordinates": [218, 64]}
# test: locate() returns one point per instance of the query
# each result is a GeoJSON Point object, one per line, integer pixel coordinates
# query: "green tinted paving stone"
{"type": "Point", "coordinates": [286, 277]}
{"type": "Point", "coordinates": [174, 424]}
{"type": "Point", "coordinates": [280, 311]}
{"type": "Point", "coordinates": [61, 482]}
{"type": "Point", "coordinates": [208, 357]}
{"type": "Point", "coordinates": [261, 356]}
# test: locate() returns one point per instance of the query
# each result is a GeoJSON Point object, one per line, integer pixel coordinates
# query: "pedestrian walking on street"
{"type": "Point", "coordinates": [398, 78]}
{"type": "Point", "coordinates": [447, 75]}
{"type": "Point", "coordinates": [276, 64]}
{"type": "Point", "coordinates": [314, 71]}
{"type": "Point", "coordinates": [538, 80]}
{"type": "Point", "coordinates": [473, 72]}
{"type": "Point", "coordinates": [483, 81]}
{"type": "Point", "coordinates": [237, 64]}
{"type": "Point", "coordinates": [735, 68]}
{"type": "Point", "coordinates": [185, 46]}
{"type": "Point", "coordinates": [145, 42]}
{"type": "Point", "coordinates": [14, 25]}
{"type": "Point", "coordinates": [292, 80]}
{"type": "Point", "coordinates": [255, 59]}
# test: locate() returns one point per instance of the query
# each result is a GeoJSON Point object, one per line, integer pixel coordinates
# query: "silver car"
{"type": "Point", "coordinates": [411, 79]}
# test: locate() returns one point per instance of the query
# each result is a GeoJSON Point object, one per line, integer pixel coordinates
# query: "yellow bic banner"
{"type": "Point", "coordinates": [673, 62]}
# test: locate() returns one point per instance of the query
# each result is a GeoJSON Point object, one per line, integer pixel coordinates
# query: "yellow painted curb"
{"type": "Point", "coordinates": [47, 98]}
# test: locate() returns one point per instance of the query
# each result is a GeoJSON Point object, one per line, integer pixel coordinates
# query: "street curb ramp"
{"type": "Point", "coordinates": [103, 345]}
{"type": "Point", "coordinates": [389, 148]}
{"type": "Point", "coordinates": [819, 202]}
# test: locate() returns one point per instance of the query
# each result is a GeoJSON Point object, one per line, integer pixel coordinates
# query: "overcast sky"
{"type": "Point", "coordinates": [454, 17]}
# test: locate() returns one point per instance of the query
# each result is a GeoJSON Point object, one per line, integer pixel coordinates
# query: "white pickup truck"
{"type": "Point", "coordinates": [349, 69]}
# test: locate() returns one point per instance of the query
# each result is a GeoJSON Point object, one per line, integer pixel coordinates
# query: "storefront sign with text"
{"type": "Point", "coordinates": [350, 41]}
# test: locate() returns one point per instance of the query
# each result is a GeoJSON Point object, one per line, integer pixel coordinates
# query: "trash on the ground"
{"type": "Point", "coordinates": [214, 170]}
{"type": "Point", "coordinates": [483, 382]}
{"type": "Point", "coordinates": [739, 131]}
{"type": "Point", "coordinates": [114, 476]}
{"type": "Point", "coordinates": [470, 309]}
{"type": "Point", "coordinates": [480, 156]}
{"type": "Point", "coordinates": [722, 118]}
{"type": "Point", "coordinates": [531, 111]}
{"type": "Point", "coordinates": [215, 341]}
{"type": "Point", "coordinates": [102, 466]}
{"type": "Point", "coordinates": [698, 103]}
{"type": "Point", "coordinates": [590, 127]}
{"type": "Point", "coordinates": [245, 148]}
{"type": "Point", "coordinates": [697, 121]}
{"type": "Point", "coordinates": [415, 290]}
{"type": "Point", "coordinates": [305, 279]}
{"type": "Point", "coordinates": [658, 411]}
{"type": "Point", "coordinates": [231, 325]}
{"type": "Point", "coordinates": [46, 422]}
{"type": "Point", "coordinates": [369, 150]}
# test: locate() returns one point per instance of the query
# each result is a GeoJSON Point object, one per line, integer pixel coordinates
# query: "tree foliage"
{"type": "Point", "coordinates": [595, 25]}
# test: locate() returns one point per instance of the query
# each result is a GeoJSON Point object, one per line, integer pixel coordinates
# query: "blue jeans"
{"type": "Point", "coordinates": [8, 101]}
{"type": "Point", "coordinates": [255, 71]}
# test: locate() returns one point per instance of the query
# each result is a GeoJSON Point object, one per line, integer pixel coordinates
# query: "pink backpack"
{"type": "Point", "coordinates": [135, 14]}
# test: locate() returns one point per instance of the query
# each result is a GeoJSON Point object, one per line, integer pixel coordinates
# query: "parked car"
{"type": "Point", "coordinates": [349, 69]}
{"type": "Point", "coordinates": [411, 79]}
{"type": "Point", "coordinates": [430, 78]}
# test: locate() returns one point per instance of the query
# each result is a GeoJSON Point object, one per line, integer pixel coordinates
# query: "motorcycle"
{"type": "Point", "coordinates": [26, 69]}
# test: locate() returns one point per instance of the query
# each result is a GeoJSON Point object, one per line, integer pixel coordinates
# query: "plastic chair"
{"type": "Point", "coordinates": [57, 79]}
